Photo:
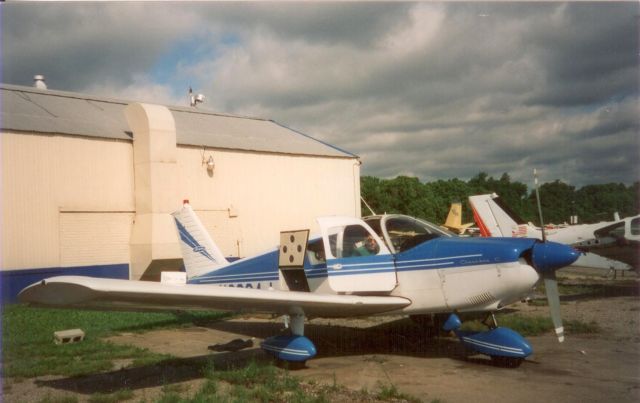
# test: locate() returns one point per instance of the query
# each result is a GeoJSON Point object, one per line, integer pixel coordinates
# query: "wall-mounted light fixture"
{"type": "Point", "coordinates": [209, 163]}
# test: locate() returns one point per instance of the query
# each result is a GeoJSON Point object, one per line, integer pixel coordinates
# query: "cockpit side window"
{"type": "Point", "coordinates": [351, 240]}
{"type": "Point", "coordinates": [356, 242]}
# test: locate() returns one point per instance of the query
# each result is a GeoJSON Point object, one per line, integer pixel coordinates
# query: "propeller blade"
{"type": "Point", "coordinates": [553, 296]}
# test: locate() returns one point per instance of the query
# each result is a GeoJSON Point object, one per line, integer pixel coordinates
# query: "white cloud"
{"type": "Point", "coordinates": [422, 27]}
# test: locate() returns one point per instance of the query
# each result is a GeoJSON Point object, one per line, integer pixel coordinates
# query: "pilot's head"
{"type": "Point", "coordinates": [371, 245]}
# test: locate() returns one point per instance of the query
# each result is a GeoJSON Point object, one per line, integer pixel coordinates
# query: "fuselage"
{"type": "Point", "coordinates": [438, 275]}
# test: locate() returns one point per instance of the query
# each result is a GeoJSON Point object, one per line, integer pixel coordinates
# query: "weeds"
{"type": "Point", "coordinates": [263, 382]}
{"type": "Point", "coordinates": [391, 393]}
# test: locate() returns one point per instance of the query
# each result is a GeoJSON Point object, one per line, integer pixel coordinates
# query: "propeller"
{"type": "Point", "coordinates": [548, 272]}
{"type": "Point", "coordinates": [553, 296]}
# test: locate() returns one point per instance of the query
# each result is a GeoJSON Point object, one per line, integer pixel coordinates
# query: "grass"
{"type": "Point", "coordinates": [391, 393]}
{"type": "Point", "coordinates": [263, 382]}
{"type": "Point", "coordinates": [59, 399]}
{"type": "Point", "coordinates": [28, 332]}
{"type": "Point", "coordinates": [533, 325]}
{"type": "Point", "coordinates": [119, 396]}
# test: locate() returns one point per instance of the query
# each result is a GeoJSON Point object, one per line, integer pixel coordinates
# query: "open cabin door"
{"type": "Point", "coordinates": [358, 261]}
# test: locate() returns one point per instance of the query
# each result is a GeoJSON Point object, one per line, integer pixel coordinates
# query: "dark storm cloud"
{"type": "Point", "coordinates": [77, 45]}
{"type": "Point", "coordinates": [589, 53]}
{"type": "Point", "coordinates": [357, 24]}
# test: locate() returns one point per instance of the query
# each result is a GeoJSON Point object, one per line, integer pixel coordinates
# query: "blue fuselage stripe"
{"type": "Point", "coordinates": [440, 253]}
{"type": "Point", "coordinates": [272, 274]}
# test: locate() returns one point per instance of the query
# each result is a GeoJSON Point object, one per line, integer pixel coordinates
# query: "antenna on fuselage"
{"type": "Point", "coordinates": [535, 181]}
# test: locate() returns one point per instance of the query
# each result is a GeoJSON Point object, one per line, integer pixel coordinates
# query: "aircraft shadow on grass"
{"type": "Point", "coordinates": [400, 337]}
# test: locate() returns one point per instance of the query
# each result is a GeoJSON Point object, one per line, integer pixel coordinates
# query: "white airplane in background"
{"type": "Point", "coordinates": [607, 245]}
{"type": "Point", "coordinates": [389, 264]}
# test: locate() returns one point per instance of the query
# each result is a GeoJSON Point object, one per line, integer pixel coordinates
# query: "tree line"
{"type": "Point", "coordinates": [559, 200]}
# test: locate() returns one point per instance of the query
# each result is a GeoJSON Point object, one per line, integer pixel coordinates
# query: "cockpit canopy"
{"type": "Point", "coordinates": [402, 232]}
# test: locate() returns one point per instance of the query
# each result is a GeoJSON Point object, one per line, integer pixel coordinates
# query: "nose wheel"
{"type": "Point", "coordinates": [506, 347]}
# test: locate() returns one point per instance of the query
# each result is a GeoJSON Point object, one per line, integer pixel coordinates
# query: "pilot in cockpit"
{"type": "Point", "coordinates": [367, 247]}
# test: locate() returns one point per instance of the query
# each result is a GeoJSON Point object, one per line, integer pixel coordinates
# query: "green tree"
{"type": "Point", "coordinates": [557, 201]}
{"type": "Point", "coordinates": [431, 201]}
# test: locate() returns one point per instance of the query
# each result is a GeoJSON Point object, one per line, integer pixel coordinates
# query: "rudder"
{"type": "Point", "coordinates": [200, 254]}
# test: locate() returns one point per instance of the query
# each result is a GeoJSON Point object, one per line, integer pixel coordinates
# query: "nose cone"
{"type": "Point", "coordinates": [551, 256]}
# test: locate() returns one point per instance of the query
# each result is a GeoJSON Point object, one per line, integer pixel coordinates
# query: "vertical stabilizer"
{"type": "Point", "coordinates": [201, 255]}
{"type": "Point", "coordinates": [454, 219]}
{"type": "Point", "coordinates": [494, 220]}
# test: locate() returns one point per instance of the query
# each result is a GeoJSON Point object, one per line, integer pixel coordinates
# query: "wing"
{"type": "Point", "coordinates": [97, 293]}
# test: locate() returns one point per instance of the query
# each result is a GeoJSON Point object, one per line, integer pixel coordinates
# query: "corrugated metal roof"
{"type": "Point", "coordinates": [46, 111]}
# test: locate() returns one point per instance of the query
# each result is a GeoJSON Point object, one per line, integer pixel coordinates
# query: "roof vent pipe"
{"type": "Point", "coordinates": [38, 82]}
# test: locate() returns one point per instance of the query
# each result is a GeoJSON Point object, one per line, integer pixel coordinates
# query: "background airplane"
{"type": "Point", "coordinates": [454, 220]}
{"type": "Point", "coordinates": [607, 245]}
{"type": "Point", "coordinates": [389, 264]}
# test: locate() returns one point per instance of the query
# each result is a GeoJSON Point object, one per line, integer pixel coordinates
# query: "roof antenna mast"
{"type": "Point", "coordinates": [194, 100]}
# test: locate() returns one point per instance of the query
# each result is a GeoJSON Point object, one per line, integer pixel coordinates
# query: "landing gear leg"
{"type": "Point", "coordinates": [490, 321]}
{"type": "Point", "coordinates": [297, 323]}
{"type": "Point", "coordinates": [430, 324]}
{"type": "Point", "coordinates": [297, 329]}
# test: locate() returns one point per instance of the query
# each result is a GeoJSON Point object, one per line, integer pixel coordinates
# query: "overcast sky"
{"type": "Point", "coordinates": [433, 90]}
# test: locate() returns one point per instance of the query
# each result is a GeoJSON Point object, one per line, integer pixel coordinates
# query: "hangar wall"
{"type": "Point", "coordinates": [251, 197]}
{"type": "Point", "coordinates": [69, 202]}
{"type": "Point", "coordinates": [50, 184]}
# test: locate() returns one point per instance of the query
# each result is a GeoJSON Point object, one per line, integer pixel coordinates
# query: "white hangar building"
{"type": "Point", "coordinates": [88, 184]}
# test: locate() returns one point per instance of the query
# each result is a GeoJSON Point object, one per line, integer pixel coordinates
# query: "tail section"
{"type": "Point", "coordinates": [201, 255]}
{"type": "Point", "coordinates": [494, 218]}
{"type": "Point", "coordinates": [454, 219]}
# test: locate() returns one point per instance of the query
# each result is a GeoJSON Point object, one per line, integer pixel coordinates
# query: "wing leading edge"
{"type": "Point", "coordinates": [90, 292]}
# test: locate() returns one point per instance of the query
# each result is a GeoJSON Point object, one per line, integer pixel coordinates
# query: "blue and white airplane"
{"type": "Point", "coordinates": [389, 264]}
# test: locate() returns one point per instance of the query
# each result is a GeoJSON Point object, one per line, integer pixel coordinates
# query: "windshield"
{"type": "Point", "coordinates": [403, 232]}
